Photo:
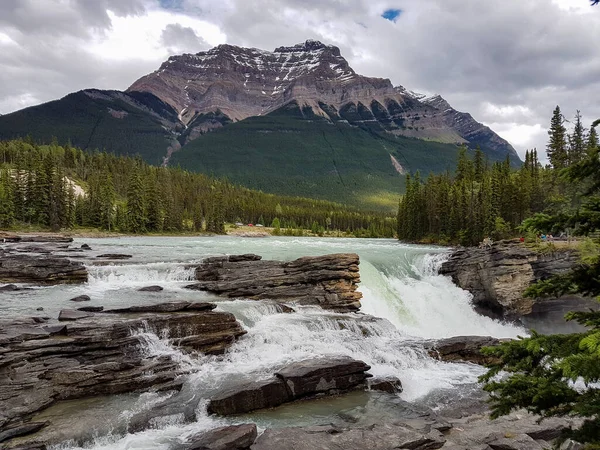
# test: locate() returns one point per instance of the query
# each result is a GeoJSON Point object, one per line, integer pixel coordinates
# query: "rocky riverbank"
{"type": "Point", "coordinates": [497, 277]}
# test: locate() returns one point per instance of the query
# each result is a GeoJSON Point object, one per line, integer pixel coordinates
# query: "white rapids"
{"type": "Point", "coordinates": [401, 289]}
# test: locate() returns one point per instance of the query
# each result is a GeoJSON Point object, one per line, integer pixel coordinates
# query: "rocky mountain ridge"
{"type": "Point", "coordinates": [238, 83]}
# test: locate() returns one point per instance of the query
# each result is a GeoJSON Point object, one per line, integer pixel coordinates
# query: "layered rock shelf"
{"type": "Point", "coordinates": [43, 269]}
{"type": "Point", "coordinates": [98, 354]}
{"type": "Point", "coordinates": [498, 276]}
{"type": "Point", "coordinates": [330, 281]}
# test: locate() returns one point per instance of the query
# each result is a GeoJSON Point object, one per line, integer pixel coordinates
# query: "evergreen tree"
{"type": "Point", "coordinates": [557, 146]}
{"type": "Point", "coordinates": [577, 144]}
{"type": "Point", "coordinates": [136, 203]}
{"type": "Point", "coordinates": [7, 212]}
{"type": "Point", "coordinates": [543, 369]}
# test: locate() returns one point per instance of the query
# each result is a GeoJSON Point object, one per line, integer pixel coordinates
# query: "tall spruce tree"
{"type": "Point", "coordinates": [557, 145]}
{"type": "Point", "coordinates": [577, 144]}
{"type": "Point", "coordinates": [136, 203]}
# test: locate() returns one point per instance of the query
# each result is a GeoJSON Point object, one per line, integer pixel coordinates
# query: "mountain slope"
{"type": "Point", "coordinates": [124, 123]}
{"type": "Point", "coordinates": [295, 152]}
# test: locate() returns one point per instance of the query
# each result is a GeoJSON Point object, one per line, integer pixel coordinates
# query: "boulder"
{"type": "Point", "coordinates": [9, 288]}
{"type": "Point", "coordinates": [330, 281]}
{"type": "Point", "coordinates": [80, 298]}
{"type": "Point", "coordinates": [85, 247]}
{"type": "Point", "coordinates": [97, 354]}
{"type": "Point", "coordinates": [151, 289]}
{"type": "Point", "coordinates": [463, 348]}
{"type": "Point", "coordinates": [249, 397]}
{"type": "Point", "coordinates": [391, 385]}
{"type": "Point", "coordinates": [233, 437]}
{"type": "Point", "coordinates": [320, 375]}
{"type": "Point", "coordinates": [317, 376]}
{"type": "Point", "coordinates": [23, 268]}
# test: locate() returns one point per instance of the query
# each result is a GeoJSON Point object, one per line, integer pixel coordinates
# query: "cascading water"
{"type": "Point", "coordinates": [406, 302]}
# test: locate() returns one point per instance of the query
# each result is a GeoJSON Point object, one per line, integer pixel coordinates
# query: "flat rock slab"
{"type": "Point", "coordinates": [377, 437]}
{"type": "Point", "coordinates": [72, 314]}
{"type": "Point", "coordinates": [330, 281]}
{"type": "Point", "coordinates": [295, 381]}
{"type": "Point", "coordinates": [114, 256]}
{"type": "Point", "coordinates": [80, 298]}
{"type": "Point", "coordinates": [234, 437]}
{"type": "Point", "coordinates": [165, 307]}
{"type": "Point", "coordinates": [42, 269]}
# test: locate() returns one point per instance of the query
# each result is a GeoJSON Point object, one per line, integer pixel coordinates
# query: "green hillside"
{"type": "Point", "coordinates": [294, 152]}
{"type": "Point", "coordinates": [86, 121]}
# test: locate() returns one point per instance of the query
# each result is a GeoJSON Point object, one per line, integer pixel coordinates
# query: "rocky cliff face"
{"type": "Point", "coordinates": [233, 83]}
{"type": "Point", "coordinates": [498, 276]}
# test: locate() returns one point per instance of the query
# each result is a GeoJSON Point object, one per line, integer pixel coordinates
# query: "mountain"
{"type": "Point", "coordinates": [297, 121]}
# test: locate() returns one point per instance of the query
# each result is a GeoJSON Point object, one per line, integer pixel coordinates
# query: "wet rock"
{"type": "Point", "coordinates": [377, 437]}
{"type": "Point", "coordinates": [99, 355]}
{"type": "Point", "coordinates": [20, 430]}
{"type": "Point", "coordinates": [391, 385]}
{"type": "Point", "coordinates": [330, 281]}
{"type": "Point", "coordinates": [45, 238]}
{"type": "Point", "coordinates": [23, 268]}
{"type": "Point", "coordinates": [92, 309]}
{"type": "Point", "coordinates": [114, 256]}
{"type": "Point", "coordinates": [72, 314]}
{"type": "Point", "coordinates": [151, 289]}
{"type": "Point", "coordinates": [463, 348]}
{"type": "Point", "coordinates": [233, 437]}
{"type": "Point", "coordinates": [9, 288]}
{"type": "Point", "coordinates": [249, 397]}
{"type": "Point", "coordinates": [85, 247]}
{"type": "Point", "coordinates": [80, 298]}
{"type": "Point", "coordinates": [39, 308]}
{"type": "Point", "coordinates": [297, 380]}
{"type": "Point", "coordinates": [165, 307]}
{"type": "Point", "coordinates": [320, 375]}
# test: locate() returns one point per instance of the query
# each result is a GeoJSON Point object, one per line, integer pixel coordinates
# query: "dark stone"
{"type": "Point", "coordinates": [165, 307]}
{"type": "Point", "coordinates": [71, 314]}
{"type": "Point", "coordinates": [114, 256]}
{"type": "Point", "coordinates": [233, 437]}
{"type": "Point", "coordinates": [151, 289]}
{"type": "Point", "coordinates": [9, 288]}
{"type": "Point", "coordinates": [39, 308]}
{"type": "Point", "coordinates": [463, 348]}
{"type": "Point", "coordinates": [80, 298]}
{"type": "Point", "coordinates": [250, 396]}
{"type": "Point", "coordinates": [85, 247]}
{"type": "Point", "coordinates": [320, 375]}
{"type": "Point", "coordinates": [92, 309]}
{"type": "Point", "coordinates": [391, 385]}
{"type": "Point", "coordinates": [330, 281]}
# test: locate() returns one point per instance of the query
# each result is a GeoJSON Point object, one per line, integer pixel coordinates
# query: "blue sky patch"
{"type": "Point", "coordinates": [170, 4]}
{"type": "Point", "coordinates": [391, 14]}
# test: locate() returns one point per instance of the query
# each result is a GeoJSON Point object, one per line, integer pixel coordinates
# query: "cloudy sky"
{"type": "Point", "coordinates": [507, 62]}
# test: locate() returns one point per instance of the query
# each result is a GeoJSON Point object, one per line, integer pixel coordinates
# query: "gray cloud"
{"type": "Point", "coordinates": [507, 62]}
{"type": "Point", "coordinates": [179, 39]}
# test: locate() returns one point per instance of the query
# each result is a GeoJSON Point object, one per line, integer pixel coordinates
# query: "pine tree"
{"type": "Point", "coordinates": [577, 144]}
{"type": "Point", "coordinates": [136, 203]}
{"type": "Point", "coordinates": [543, 369]}
{"type": "Point", "coordinates": [557, 146]}
{"type": "Point", "coordinates": [7, 212]}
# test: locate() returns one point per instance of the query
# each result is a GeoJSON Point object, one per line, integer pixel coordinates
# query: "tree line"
{"type": "Point", "coordinates": [480, 200]}
{"type": "Point", "coordinates": [62, 187]}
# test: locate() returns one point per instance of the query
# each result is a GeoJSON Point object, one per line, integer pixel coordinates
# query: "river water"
{"type": "Point", "coordinates": [400, 286]}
